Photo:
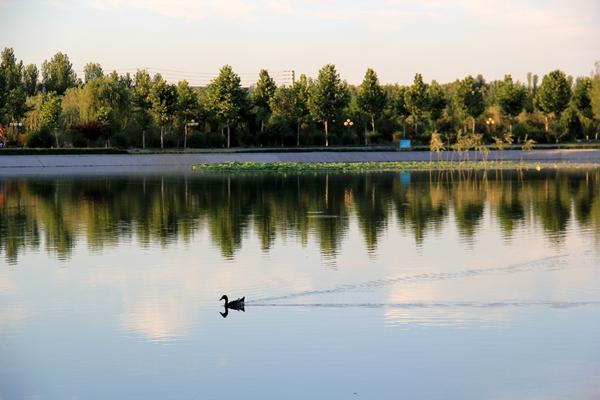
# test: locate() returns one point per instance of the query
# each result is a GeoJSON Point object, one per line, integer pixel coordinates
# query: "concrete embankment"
{"type": "Point", "coordinates": [98, 164]}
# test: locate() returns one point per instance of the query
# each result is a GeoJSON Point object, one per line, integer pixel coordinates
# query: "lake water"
{"type": "Point", "coordinates": [376, 286]}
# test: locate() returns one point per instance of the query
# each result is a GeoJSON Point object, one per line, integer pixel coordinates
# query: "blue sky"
{"type": "Point", "coordinates": [443, 40]}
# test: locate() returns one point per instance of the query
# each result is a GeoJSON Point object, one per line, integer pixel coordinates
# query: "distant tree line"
{"type": "Point", "coordinates": [53, 107]}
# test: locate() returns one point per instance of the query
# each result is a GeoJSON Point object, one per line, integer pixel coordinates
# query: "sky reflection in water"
{"type": "Point", "coordinates": [384, 285]}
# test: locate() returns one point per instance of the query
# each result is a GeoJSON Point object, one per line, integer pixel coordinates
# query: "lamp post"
{"type": "Point", "coordinates": [348, 123]}
{"type": "Point", "coordinates": [191, 123]}
{"type": "Point", "coordinates": [489, 123]}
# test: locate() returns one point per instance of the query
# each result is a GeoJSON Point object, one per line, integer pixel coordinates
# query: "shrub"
{"type": "Point", "coordinates": [120, 140]}
{"type": "Point", "coordinates": [40, 138]}
{"type": "Point", "coordinates": [350, 138]}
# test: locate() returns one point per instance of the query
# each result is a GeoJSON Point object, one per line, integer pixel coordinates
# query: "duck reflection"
{"type": "Point", "coordinates": [237, 305]}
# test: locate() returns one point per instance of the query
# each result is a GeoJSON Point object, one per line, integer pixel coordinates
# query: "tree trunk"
{"type": "Point", "coordinates": [185, 137]}
{"type": "Point", "coordinates": [403, 128]}
{"type": "Point", "coordinates": [546, 123]}
{"type": "Point", "coordinates": [366, 135]}
{"type": "Point", "coordinates": [56, 136]}
{"type": "Point", "coordinates": [143, 138]}
{"type": "Point", "coordinates": [416, 128]}
{"type": "Point", "coordinates": [262, 126]}
{"type": "Point", "coordinates": [298, 134]}
{"type": "Point", "coordinates": [473, 126]}
{"type": "Point", "coordinates": [162, 134]}
{"type": "Point", "coordinates": [373, 123]}
{"type": "Point", "coordinates": [326, 134]}
{"type": "Point", "coordinates": [228, 136]}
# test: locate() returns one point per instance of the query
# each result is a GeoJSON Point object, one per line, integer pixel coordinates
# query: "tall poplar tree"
{"type": "Point", "coordinates": [163, 100]}
{"type": "Point", "coordinates": [92, 71]}
{"type": "Point", "coordinates": [416, 100]}
{"type": "Point", "coordinates": [262, 95]}
{"type": "Point", "coordinates": [469, 98]}
{"type": "Point", "coordinates": [226, 98]}
{"type": "Point", "coordinates": [328, 96]}
{"type": "Point", "coordinates": [511, 99]}
{"type": "Point", "coordinates": [141, 103]}
{"type": "Point", "coordinates": [553, 96]}
{"type": "Point", "coordinates": [58, 74]}
{"type": "Point", "coordinates": [437, 102]}
{"type": "Point", "coordinates": [291, 102]}
{"type": "Point", "coordinates": [371, 98]}
{"type": "Point", "coordinates": [187, 106]}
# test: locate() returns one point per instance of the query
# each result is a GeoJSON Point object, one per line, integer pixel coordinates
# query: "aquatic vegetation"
{"type": "Point", "coordinates": [348, 167]}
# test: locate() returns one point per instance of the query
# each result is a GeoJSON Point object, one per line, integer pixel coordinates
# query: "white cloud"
{"type": "Point", "coordinates": [572, 18]}
{"type": "Point", "coordinates": [184, 9]}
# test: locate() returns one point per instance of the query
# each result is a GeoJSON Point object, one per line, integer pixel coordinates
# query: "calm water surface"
{"type": "Point", "coordinates": [378, 286]}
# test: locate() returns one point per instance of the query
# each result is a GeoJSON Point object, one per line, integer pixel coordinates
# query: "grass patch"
{"type": "Point", "coordinates": [345, 167]}
{"type": "Point", "coordinates": [10, 151]}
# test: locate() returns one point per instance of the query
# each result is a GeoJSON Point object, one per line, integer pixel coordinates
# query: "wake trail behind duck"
{"type": "Point", "coordinates": [551, 304]}
{"type": "Point", "coordinates": [549, 263]}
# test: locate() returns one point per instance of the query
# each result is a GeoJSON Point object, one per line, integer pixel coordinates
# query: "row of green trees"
{"type": "Point", "coordinates": [59, 109]}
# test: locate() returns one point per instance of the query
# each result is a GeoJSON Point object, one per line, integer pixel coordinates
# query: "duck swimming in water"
{"type": "Point", "coordinates": [234, 305]}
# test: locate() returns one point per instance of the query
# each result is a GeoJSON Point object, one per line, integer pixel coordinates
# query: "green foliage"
{"type": "Point", "coordinates": [437, 102]}
{"type": "Point", "coordinates": [109, 102]}
{"type": "Point", "coordinates": [140, 101]}
{"type": "Point", "coordinates": [92, 71]}
{"type": "Point", "coordinates": [41, 138]}
{"type": "Point", "coordinates": [361, 167]}
{"type": "Point", "coordinates": [328, 96]}
{"type": "Point", "coordinates": [570, 124]}
{"type": "Point", "coordinates": [416, 100]}
{"type": "Point", "coordinates": [291, 103]}
{"type": "Point", "coordinates": [30, 79]}
{"type": "Point", "coordinates": [553, 95]}
{"type": "Point", "coordinates": [436, 144]}
{"type": "Point", "coordinates": [262, 96]}
{"type": "Point", "coordinates": [50, 114]}
{"type": "Point", "coordinates": [370, 96]}
{"type": "Point", "coordinates": [163, 100]}
{"type": "Point", "coordinates": [13, 96]}
{"type": "Point", "coordinates": [58, 74]}
{"type": "Point", "coordinates": [187, 101]}
{"type": "Point", "coordinates": [469, 98]}
{"type": "Point", "coordinates": [136, 108]}
{"type": "Point", "coordinates": [226, 99]}
{"type": "Point", "coordinates": [511, 98]}
{"type": "Point", "coordinates": [581, 100]}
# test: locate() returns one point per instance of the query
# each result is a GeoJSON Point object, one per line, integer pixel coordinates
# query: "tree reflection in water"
{"type": "Point", "coordinates": [57, 213]}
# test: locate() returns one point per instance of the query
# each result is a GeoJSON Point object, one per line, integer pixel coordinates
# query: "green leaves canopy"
{"type": "Point", "coordinates": [370, 95]}
{"type": "Point", "coordinates": [225, 96]}
{"type": "Point", "coordinates": [469, 97]}
{"type": "Point", "coordinates": [13, 96]}
{"type": "Point", "coordinates": [511, 97]}
{"type": "Point", "coordinates": [58, 74]}
{"type": "Point", "coordinates": [328, 96]}
{"type": "Point", "coordinates": [92, 71]}
{"type": "Point", "coordinates": [416, 99]}
{"type": "Point", "coordinates": [554, 93]}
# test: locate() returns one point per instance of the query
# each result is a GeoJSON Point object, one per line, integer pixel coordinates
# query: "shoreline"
{"type": "Point", "coordinates": [99, 164]}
